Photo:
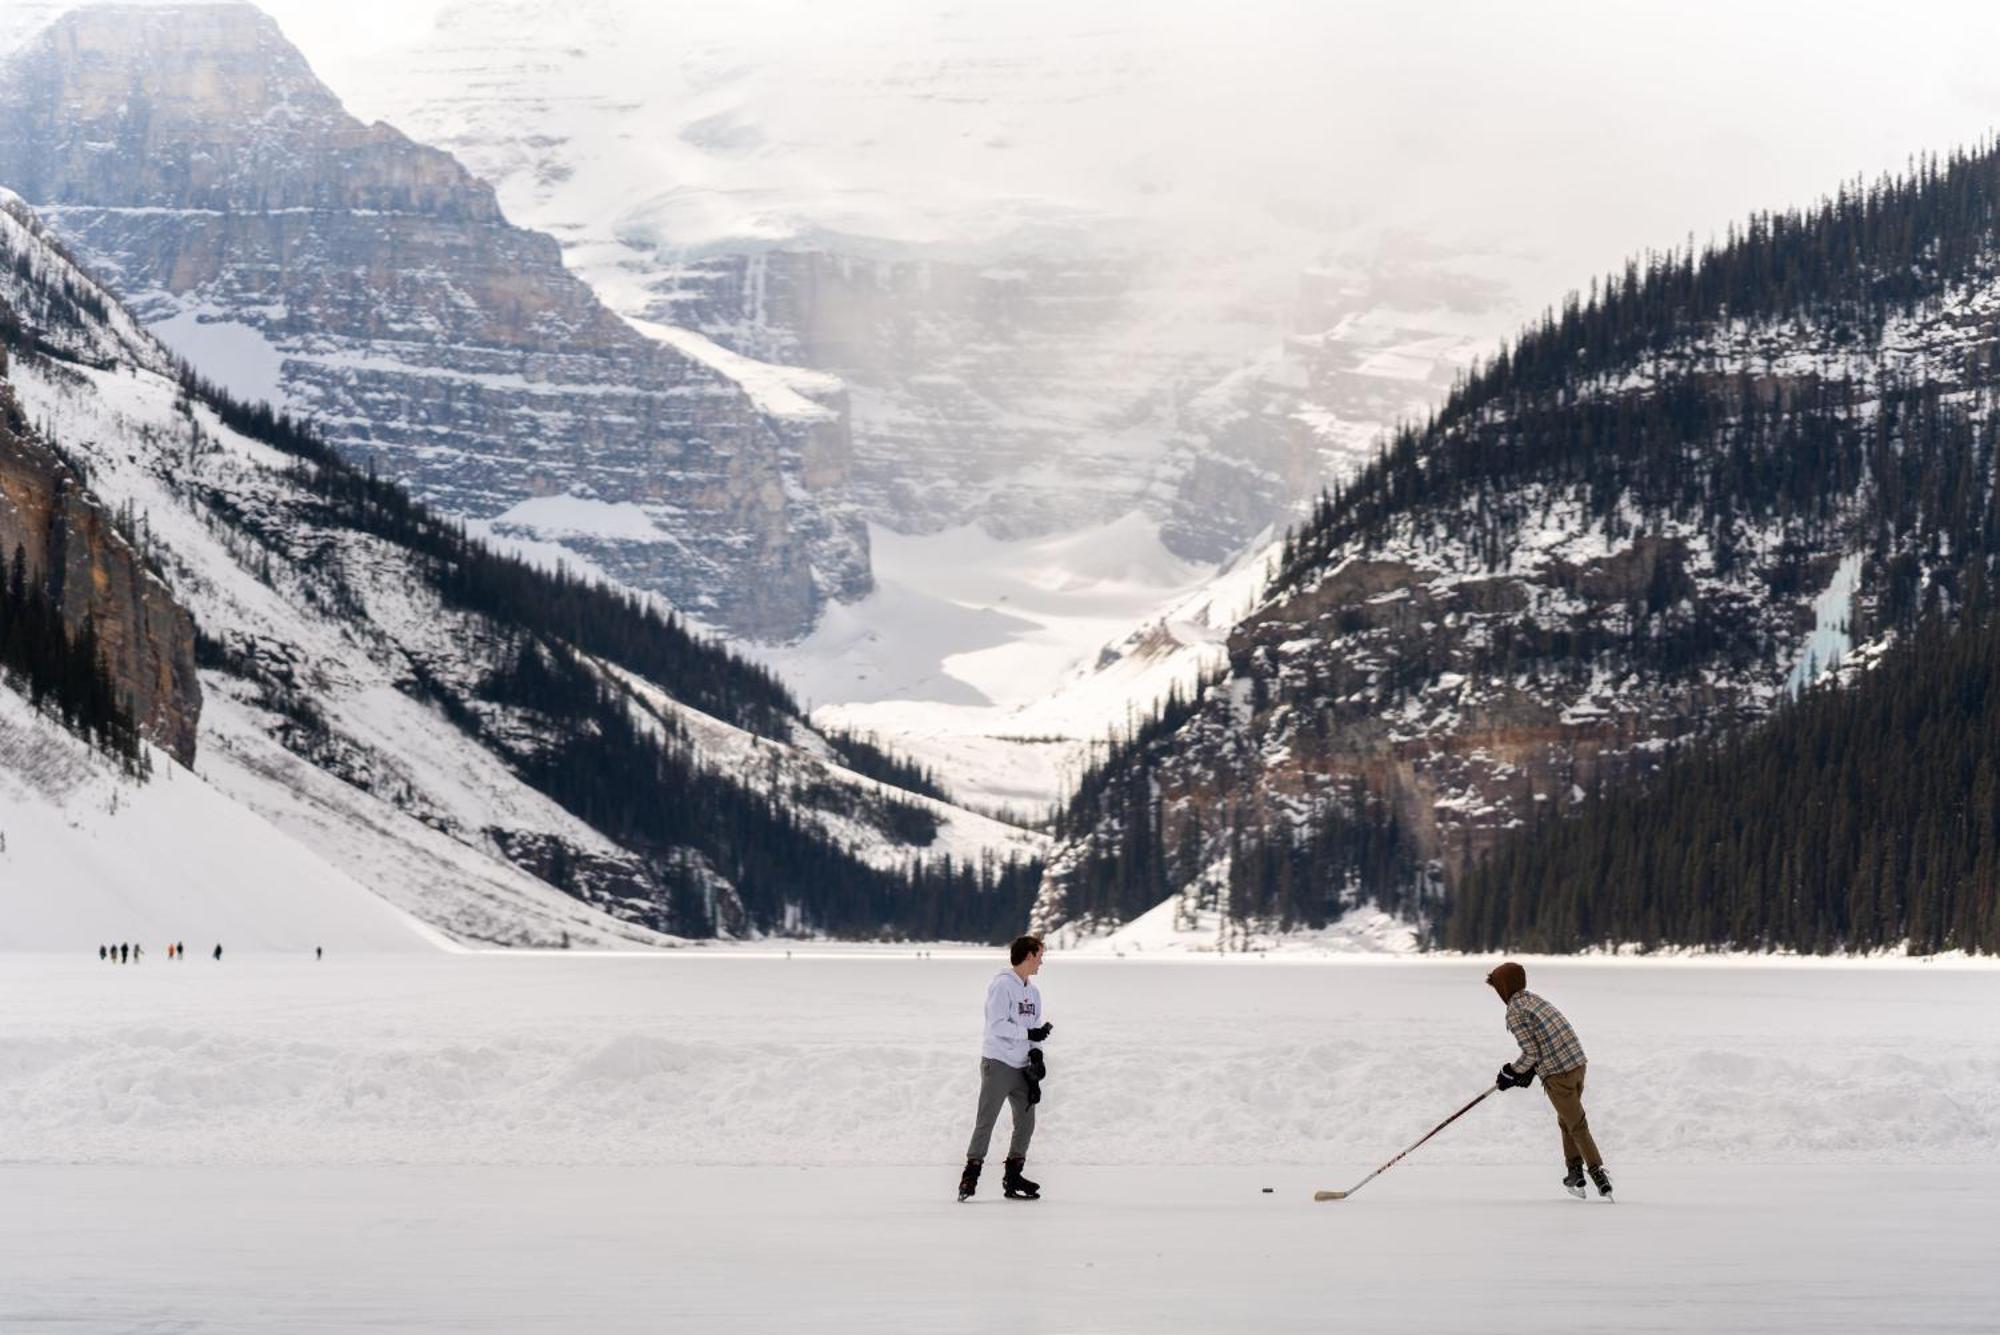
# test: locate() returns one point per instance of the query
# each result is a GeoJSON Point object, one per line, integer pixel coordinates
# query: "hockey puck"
{"type": "Point", "coordinates": [1267, 1191]}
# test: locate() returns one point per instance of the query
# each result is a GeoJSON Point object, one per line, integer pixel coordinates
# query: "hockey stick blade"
{"type": "Point", "coordinates": [1329, 1195]}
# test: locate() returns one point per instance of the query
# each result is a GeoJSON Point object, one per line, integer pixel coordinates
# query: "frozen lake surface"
{"type": "Point", "coordinates": [719, 1142]}
{"type": "Point", "coordinates": [570, 1251]}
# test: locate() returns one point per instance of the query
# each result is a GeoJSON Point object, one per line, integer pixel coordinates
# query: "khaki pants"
{"type": "Point", "coordinates": [1565, 1091]}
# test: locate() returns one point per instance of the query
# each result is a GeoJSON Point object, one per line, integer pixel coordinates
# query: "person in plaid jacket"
{"type": "Point", "coordinates": [1550, 1049]}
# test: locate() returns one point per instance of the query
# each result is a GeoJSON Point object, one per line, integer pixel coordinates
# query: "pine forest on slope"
{"type": "Point", "coordinates": [1865, 817]}
{"type": "Point", "coordinates": [1610, 540]}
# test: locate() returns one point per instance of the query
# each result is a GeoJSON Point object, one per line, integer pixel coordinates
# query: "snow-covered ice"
{"type": "Point", "coordinates": [1832, 637]}
{"type": "Point", "coordinates": [731, 1140]}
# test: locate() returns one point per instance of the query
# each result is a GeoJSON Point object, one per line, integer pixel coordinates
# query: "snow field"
{"type": "Point", "coordinates": [1004, 665]}
{"type": "Point", "coordinates": [89, 857]}
{"type": "Point", "coordinates": [712, 1057]}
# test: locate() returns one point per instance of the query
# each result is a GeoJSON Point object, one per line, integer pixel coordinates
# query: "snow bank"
{"type": "Point", "coordinates": [228, 352]}
{"type": "Point", "coordinates": [779, 391]}
{"type": "Point", "coordinates": [556, 517]}
{"type": "Point", "coordinates": [710, 1058]}
{"type": "Point", "coordinates": [1171, 929]}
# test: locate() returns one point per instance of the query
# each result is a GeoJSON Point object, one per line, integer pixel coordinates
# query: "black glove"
{"type": "Point", "coordinates": [1033, 1073]}
{"type": "Point", "coordinates": [1041, 1032]}
{"type": "Point", "coordinates": [1038, 1065]}
{"type": "Point", "coordinates": [1513, 1079]}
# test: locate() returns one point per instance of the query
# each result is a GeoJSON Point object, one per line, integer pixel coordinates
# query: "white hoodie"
{"type": "Point", "coordinates": [1013, 1007]}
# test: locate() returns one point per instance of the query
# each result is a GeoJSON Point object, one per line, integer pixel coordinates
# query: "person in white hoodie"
{"type": "Point", "coordinates": [1010, 1069]}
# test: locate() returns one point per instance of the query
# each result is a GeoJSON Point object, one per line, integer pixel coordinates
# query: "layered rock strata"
{"type": "Point", "coordinates": [293, 253]}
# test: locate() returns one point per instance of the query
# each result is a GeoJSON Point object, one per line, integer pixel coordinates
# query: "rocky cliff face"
{"type": "Point", "coordinates": [293, 253]}
{"type": "Point", "coordinates": [1020, 355]}
{"type": "Point", "coordinates": [70, 542]}
{"type": "Point", "coordinates": [1028, 393]}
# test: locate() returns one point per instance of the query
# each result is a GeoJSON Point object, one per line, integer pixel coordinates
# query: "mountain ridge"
{"type": "Point", "coordinates": [1620, 533]}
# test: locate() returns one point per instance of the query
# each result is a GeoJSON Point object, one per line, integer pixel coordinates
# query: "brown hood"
{"type": "Point", "coordinates": [1507, 979]}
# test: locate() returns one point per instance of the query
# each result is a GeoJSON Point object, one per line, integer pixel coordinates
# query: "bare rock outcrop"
{"type": "Point", "coordinates": [71, 543]}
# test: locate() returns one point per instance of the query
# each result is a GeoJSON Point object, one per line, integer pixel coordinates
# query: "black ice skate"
{"type": "Point", "coordinates": [1018, 1188]}
{"type": "Point", "coordinates": [1603, 1181]}
{"type": "Point", "coordinates": [968, 1181]}
{"type": "Point", "coordinates": [1573, 1180]}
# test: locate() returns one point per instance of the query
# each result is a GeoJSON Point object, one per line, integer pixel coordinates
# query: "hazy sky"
{"type": "Point", "coordinates": [1567, 134]}
{"type": "Point", "coordinates": [1585, 130]}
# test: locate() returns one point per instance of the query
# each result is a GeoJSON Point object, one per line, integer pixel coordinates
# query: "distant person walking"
{"type": "Point", "coordinates": [102, 954]}
{"type": "Point", "coordinates": [124, 953]}
{"type": "Point", "coordinates": [218, 952]}
{"type": "Point", "coordinates": [1549, 1048]}
{"type": "Point", "coordinates": [1011, 1068]}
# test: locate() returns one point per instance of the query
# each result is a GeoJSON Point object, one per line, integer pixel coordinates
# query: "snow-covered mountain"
{"type": "Point", "coordinates": [1060, 350]}
{"type": "Point", "coordinates": [1073, 263]}
{"type": "Point", "coordinates": [938, 210]}
{"type": "Point", "coordinates": [1657, 515]}
{"type": "Point", "coordinates": [507, 755]}
{"type": "Point", "coordinates": [189, 154]}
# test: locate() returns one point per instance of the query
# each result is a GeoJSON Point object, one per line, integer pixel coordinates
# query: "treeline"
{"type": "Point", "coordinates": [649, 792]}
{"type": "Point", "coordinates": [867, 756]}
{"type": "Point", "coordinates": [57, 303]}
{"type": "Point", "coordinates": [1279, 873]}
{"type": "Point", "coordinates": [1861, 818]}
{"type": "Point", "coordinates": [645, 789]}
{"type": "Point", "coordinates": [1848, 264]}
{"type": "Point", "coordinates": [60, 672]}
{"type": "Point", "coordinates": [608, 623]}
{"type": "Point", "coordinates": [1121, 864]}
{"type": "Point", "coordinates": [1340, 856]}
{"type": "Point", "coordinates": [1906, 467]}
{"type": "Point", "coordinates": [1844, 267]}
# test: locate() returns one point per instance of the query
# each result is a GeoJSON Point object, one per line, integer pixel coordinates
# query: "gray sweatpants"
{"type": "Point", "coordinates": [1000, 1083]}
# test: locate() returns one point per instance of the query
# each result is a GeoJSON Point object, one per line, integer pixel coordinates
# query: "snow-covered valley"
{"type": "Point", "coordinates": [1004, 666]}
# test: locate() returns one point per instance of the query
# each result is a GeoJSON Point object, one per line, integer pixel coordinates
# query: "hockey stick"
{"type": "Point", "coordinates": [1343, 1195]}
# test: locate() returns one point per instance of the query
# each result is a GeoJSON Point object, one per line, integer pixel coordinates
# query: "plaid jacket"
{"type": "Point", "coordinates": [1548, 1045]}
